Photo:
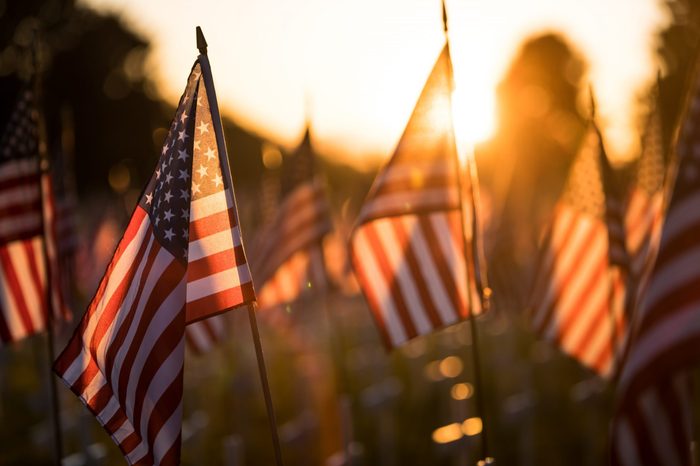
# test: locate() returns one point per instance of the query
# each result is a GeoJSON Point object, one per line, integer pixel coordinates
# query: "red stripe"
{"type": "Point", "coordinates": [216, 223]}
{"type": "Point", "coordinates": [38, 289]}
{"type": "Point", "coordinates": [215, 263]}
{"type": "Point", "coordinates": [223, 301]}
{"type": "Point", "coordinates": [16, 290]}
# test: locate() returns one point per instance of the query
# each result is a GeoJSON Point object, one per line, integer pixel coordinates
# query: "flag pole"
{"type": "Point", "coordinates": [44, 172]}
{"type": "Point", "coordinates": [223, 154]}
{"type": "Point", "coordinates": [476, 359]}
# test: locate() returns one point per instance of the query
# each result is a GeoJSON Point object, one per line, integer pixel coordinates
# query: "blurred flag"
{"type": "Point", "coordinates": [577, 298]}
{"type": "Point", "coordinates": [288, 259]}
{"type": "Point", "coordinates": [644, 215]}
{"type": "Point", "coordinates": [204, 335]}
{"type": "Point", "coordinates": [407, 248]}
{"type": "Point", "coordinates": [652, 424]}
{"type": "Point", "coordinates": [180, 260]}
{"type": "Point", "coordinates": [23, 306]}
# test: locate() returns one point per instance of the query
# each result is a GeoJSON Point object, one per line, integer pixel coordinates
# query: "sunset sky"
{"type": "Point", "coordinates": [361, 64]}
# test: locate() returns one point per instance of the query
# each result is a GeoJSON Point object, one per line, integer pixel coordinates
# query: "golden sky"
{"type": "Point", "coordinates": [362, 63]}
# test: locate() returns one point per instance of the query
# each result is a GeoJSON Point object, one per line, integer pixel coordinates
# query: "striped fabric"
{"type": "Point", "coordinates": [651, 424]}
{"type": "Point", "coordinates": [23, 281]}
{"type": "Point", "coordinates": [205, 335]}
{"type": "Point", "coordinates": [577, 298]}
{"type": "Point", "coordinates": [180, 260]}
{"type": "Point", "coordinates": [407, 249]}
{"type": "Point", "coordinates": [288, 255]}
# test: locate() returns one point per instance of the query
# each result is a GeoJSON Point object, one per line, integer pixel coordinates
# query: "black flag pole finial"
{"type": "Point", "coordinates": [201, 41]}
{"type": "Point", "coordinates": [444, 16]}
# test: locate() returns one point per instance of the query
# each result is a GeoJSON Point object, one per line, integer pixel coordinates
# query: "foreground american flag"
{"type": "Point", "coordinates": [179, 261]}
{"type": "Point", "coordinates": [407, 248]}
{"type": "Point", "coordinates": [289, 251]}
{"type": "Point", "coordinates": [652, 424]}
{"type": "Point", "coordinates": [577, 301]}
{"type": "Point", "coordinates": [23, 278]}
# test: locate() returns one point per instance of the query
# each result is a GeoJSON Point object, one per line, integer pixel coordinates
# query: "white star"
{"type": "Point", "coordinates": [183, 117]}
{"type": "Point", "coordinates": [168, 215]}
{"type": "Point", "coordinates": [184, 233]}
{"type": "Point", "coordinates": [157, 220]}
{"type": "Point", "coordinates": [203, 128]}
{"type": "Point", "coordinates": [157, 173]}
{"type": "Point", "coordinates": [196, 145]}
{"type": "Point", "coordinates": [149, 198]}
{"type": "Point", "coordinates": [199, 100]}
{"type": "Point", "coordinates": [168, 177]}
{"type": "Point", "coordinates": [183, 155]}
{"type": "Point", "coordinates": [186, 98]}
{"type": "Point", "coordinates": [195, 188]}
{"type": "Point", "coordinates": [196, 74]}
{"type": "Point", "coordinates": [184, 194]}
{"type": "Point", "coordinates": [168, 195]}
{"type": "Point", "coordinates": [182, 135]}
{"type": "Point", "coordinates": [183, 175]}
{"type": "Point", "coordinates": [169, 234]}
{"type": "Point", "coordinates": [217, 180]}
{"type": "Point", "coordinates": [202, 170]}
{"type": "Point", "coordinates": [184, 253]}
{"type": "Point", "coordinates": [210, 154]}
{"type": "Point", "coordinates": [165, 149]}
{"type": "Point", "coordinates": [185, 213]}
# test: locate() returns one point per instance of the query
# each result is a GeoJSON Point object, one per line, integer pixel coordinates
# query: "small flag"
{"type": "Point", "coordinates": [408, 246]}
{"type": "Point", "coordinates": [652, 421]}
{"type": "Point", "coordinates": [180, 260]}
{"type": "Point", "coordinates": [576, 301]}
{"type": "Point", "coordinates": [23, 306]}
{"type": "Point", "coordinates": [289, 255]}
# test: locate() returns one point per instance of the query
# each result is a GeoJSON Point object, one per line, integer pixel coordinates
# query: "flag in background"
{"type": "Point", "coordinates": [576, 300]}
{"type": "Point", "coordinates": [289, 252]}
{"type": "Point", "coordinates": [652, 422]}
{"type": "Point", "coordinates": [23, 278]}
{"type": "Point", "coordinates": [180, 260]}
{"type": "Point", "coordinates": [407, 248]}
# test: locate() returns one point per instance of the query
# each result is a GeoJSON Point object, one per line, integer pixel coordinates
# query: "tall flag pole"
{"type": "Point", "coordinates": [576, 303]}
{"type": "Point", "coordinates": [475, 274]}
{"type": "Point", "coordinates": [181, 260]}
{"type": "Point", "coordinates": [410, 248]}
{"type": "Point", "coordinates": [216, 119]}
{"type": "Point", "coordinates": [653, 414]}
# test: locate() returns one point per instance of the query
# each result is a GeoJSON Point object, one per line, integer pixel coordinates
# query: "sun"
{"type": "Point", "coordinates": [473, 112]}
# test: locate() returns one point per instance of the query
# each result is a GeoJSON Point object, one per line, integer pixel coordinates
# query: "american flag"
{"type": "Point", "coordinates": [577, 300]}
{"type": "Point", "coordinates": [180, 260]}
{"type": "Point", "coordinates": [408, 246]}
{"type": "Point", "coordinates": [205, 335]}
{"type": "Point", "coordinates": [652, 420]}
{"type": "Point", "coordinates": [644, 213]}
{"type": "Point", "coordinates": [23, 278]}
{"type": "Point", "coordinates": [289, 254]}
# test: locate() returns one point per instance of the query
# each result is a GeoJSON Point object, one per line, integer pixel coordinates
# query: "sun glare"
{"type": "Point", "coordinates": [473, 112]}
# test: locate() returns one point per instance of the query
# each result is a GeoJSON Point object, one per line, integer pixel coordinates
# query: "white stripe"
{"type": "Point", "coordinates": [210, 205]}
{"type": "Point", "coordinates": [217, 282]}
{"type": "Point", "coordinates": [451, 252]}
{"type": "Point", "coordinates": [415, 170]}
{"type": "Point", "coordinates": [33, 293]}
{"type": "Point", "coordinates": [109, 410]}
{"type": "Point", "coordinates": [429, 271]}
{"type": "Point", "coordinates": [212, 244]}
{"type": "Point", "coordinates": [680, 218]}
{"type": "Point", "coordinates": [403, 274]}
{"type": "Point", "coordinates": [123, 432]}
{"type": "Point", "coordinates": [168, 434]}
{"type": "Point", "coordinates": [365, 259]}
{"type": "Point", "coordinates": [9, 307]}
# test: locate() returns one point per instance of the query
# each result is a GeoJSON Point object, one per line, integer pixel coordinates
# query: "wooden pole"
{"type": "Point", "coordinates": [226, 171]}
{"type": "Point", "coordinates": [476, 359]}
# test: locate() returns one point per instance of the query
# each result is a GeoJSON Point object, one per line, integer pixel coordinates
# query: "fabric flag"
{"type": "Point", "coordinates": [576, 301]}
{"type": "Point", "coordinates": [180, 260]}
{"type": "Point", "coordinates": [652, 421]}
{"type": "Point", "coordinates": [289, 254]}
{"type": "Point", "coordinates": [644, 213]}
{"type": "Point", "coordinates": [407, 248]}
{"type": "Point", "coordinates": [23, 277]}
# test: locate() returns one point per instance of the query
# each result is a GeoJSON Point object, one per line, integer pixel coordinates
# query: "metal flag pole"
{"type": "Point", "coordinates": [44, 172]}
{"type": "Point", "coordinates": [223, 155]}
{"type": "Point", "coordinates": [473, 331]}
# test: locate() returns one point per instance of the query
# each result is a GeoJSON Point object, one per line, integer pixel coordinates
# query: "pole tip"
{"type": "Point", "coordinates": [201, 41]}
{"type": "Point", "coordinates": [444, 16]}
{"type": "Point", "coordinates": [591, 96]}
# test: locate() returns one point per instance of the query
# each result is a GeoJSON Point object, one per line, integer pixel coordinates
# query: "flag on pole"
{"type": "Point", "coordinates": [407, 248]}
{"type": "Point", "coordinates": [180, 260]}
{"type": "Point", "coordinates": [576, 301]}
{"type": "Point", "coordinates": [644, 213]}
{"type": "Point", "coordinates": [289, 253]}
{"type": "Point", "coordinates": [653, 413]}
{"type": "Point", "coordinates": [23, 278]}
